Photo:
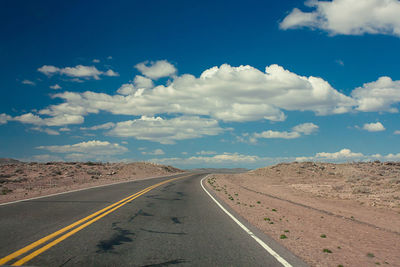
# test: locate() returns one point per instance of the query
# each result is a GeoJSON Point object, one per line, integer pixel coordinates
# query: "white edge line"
{"type": "Point", "coordinates": [259, 241]}
{"type": "Point", "coordinates": [81, 189]}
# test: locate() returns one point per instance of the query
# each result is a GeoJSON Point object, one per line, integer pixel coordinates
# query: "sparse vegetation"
{"type": "Point", "coordinates": [283, 237]}
{"type": "Point", "coordinates": [5, 190]}
{"type": "Point", "coordinates": [370, 255]}
{"type": "Point", "coordinates": [323, 236]}
{"type": "Point", "coordinates": [327, 250]}
{"type": "Point", "coordinates": [273, 209]}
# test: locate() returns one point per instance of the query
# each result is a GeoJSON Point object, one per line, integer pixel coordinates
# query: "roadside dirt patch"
{"type": "Point", "coordinates": [25, 180]}
{"type": "Point", "coordinates": [327, 214]}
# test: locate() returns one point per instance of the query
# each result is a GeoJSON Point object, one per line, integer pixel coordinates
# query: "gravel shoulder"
{"type": "Point", "coordinates": [327, 214]}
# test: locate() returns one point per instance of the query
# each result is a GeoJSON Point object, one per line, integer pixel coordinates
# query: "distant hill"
{"type": "Point", "coordinates": [220, 170]}
{"type": "Point", "coordinates": [8, 161]}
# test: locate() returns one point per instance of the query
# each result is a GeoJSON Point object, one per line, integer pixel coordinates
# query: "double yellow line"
{"type": "Point", "coordinates": [82, 224]}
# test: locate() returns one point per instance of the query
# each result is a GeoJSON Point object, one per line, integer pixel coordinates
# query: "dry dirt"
{"type": "Point", "coordinates": [327, 214]}
{"type": "Point", "coordinates": [26, 180]}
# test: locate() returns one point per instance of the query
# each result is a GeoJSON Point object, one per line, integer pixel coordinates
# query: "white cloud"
{"type": "Point", "coordinates": [395, 132]}
{"type": "Point", "coordinates": [96, 60]}
{"type": "Point", "coordinates": [276, 134]}
{"type": "Point", "coordinates": [55, 87]}
{"type": "Point", "coordinates": [28, 82]}
{"type": "Point", "coordinates": [342, 154]}
{"type": "Point", "coordinates": [4, 118]}
{"type": "Point", "coordinates": [223, 93]}
{"type": "Point", "coordinates": [57, 120]}
{"type": "Point", "coordinates": [137, 88]}
{"type": "Point", "coordinates": [110, 73]}
{"type": "Point", "coordinates": [45, 130]}
{"type": "Point", "coordinates": [347, 155]}
{"type": "Point", "coordinates": [348, 17]}
{"type": "Point", "coordinates": [143, 82]}
{"type": "Point", "coordinates": [29, 118]}
{"type": "Point", "coordinates": [395, 157]}
{"type": "Point", "coordinates": [104, 126]}
{"type": "Point", "coordinates": [126, 89]}
{"type": "Point", "coordinates": [305, 128]}
{"type": "Point", "coordinates": [166, 131]}
{"type": "Point", "coordinates": [156, 152]}
{"type": "Point", "coordinates": [87, 149]}
{"type": "Point", "coordinates": [380, 95]}
{"type": "Point", "coordinates": [64, 129]}
{"type": "Point", "coordinates": [155, 70]}
{"type": "Point", "coordinates": [225, 158]}
{"type": "Point", "coordinates": [206, 153]}
{"type": "Point", "coordinates": [78, 71]}
{"type": "Point", "coordinates": [374, 127]}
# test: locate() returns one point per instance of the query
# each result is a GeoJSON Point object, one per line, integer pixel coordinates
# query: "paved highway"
{"type": "Point", "coordinates": [154, 222]}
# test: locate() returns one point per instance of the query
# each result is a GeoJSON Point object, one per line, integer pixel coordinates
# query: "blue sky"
{"type": "Point", "coordinates": [202, 83]}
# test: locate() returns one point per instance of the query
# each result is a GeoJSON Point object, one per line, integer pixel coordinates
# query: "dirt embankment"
{"type": "Point", "coordinates": [327, 214]}
{"type": "Point", "coordinates": [26, 180]}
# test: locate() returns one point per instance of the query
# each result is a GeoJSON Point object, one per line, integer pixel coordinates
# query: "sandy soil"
{"type": "Point", "coordinates": [327, 214]}
{"type": "Point", "coordinates": [26, 180]}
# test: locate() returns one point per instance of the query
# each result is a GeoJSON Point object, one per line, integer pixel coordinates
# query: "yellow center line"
{"type": "Point", "coordinates": [106, 211]}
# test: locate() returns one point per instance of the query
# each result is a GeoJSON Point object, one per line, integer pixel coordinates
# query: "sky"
{"type": "Point", "coordinates": [200, 83]}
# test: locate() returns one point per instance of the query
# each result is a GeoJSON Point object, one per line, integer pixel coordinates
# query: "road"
{"type": "Point", "coordinates": [176, 223]}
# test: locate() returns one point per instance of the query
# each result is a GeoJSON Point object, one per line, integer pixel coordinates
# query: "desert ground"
{"type": "Point", "coordinates": [20, 180]}
{"type": "Point", "coordinates": [327, 214]}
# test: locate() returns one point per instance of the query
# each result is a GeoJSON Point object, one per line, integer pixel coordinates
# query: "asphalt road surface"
{"type": "Point", "coordinates": [175, 223]}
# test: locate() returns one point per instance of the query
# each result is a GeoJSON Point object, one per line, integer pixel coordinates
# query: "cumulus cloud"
{"type": "Point", "coordinates": [166, 131]}
{"type": "Point", "coordinates": [45, 130]}
{"type": "Point", "coordinates": [395, 132]}
{"type": "Point", "coordinates": [58, 119]}
{"type": "Point", "coordinates": [206, 152]}
{"type": "Point", "coordinates": [347, 17]}
{"type": "Point", "coordinates": [4, 118]}
{"type": "Point", "coordinates": [104, 126]}
{"type": "Point", "coordinates": [276, 134]}
{"type": "Point", "coordinates": [305, 128]}
{"type": "Point", "coordinates": [344, 154]}
{"type": "Point", "coordinates": [96, 60]}
{"type": "Point", "coordinates": [55, 87]}
{"type": "Point", "coordinates": [224, 93]}
{"type": "Point", "coordinates": [136, 88]}
{"type": "Point", "coordinates": [224, 158]}
{"type": "Point", "coordinates": [143, 82]}
{"type": "Point", "coordinates": [155, 152]}
{"type": "Point", "coordinates": [110, 73]}
{"type": "Point", "coordinates": [348, 155]}
{"type": "Point", "coordinates": [28, 82]}
{"type": "Point", "coordinates": [374, 127]}
{"type": "Point", "coordinates": [87, 150]}
{"type": "Point", "coordinates": [156, 70]}
{"type": "Point", "coordinates": [381, 95]}
{"type": "Point", "coordinates": [79, 71]}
